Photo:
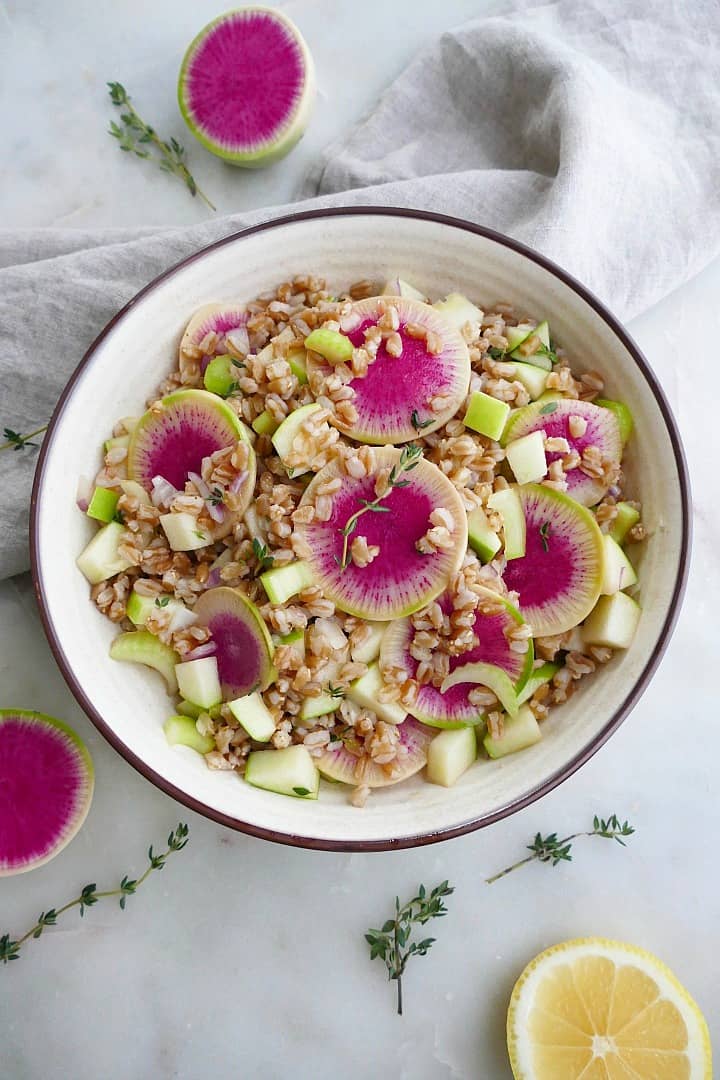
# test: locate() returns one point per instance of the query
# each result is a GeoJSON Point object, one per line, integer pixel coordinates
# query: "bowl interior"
{"type": "Point", "coordinates": [122, 371]}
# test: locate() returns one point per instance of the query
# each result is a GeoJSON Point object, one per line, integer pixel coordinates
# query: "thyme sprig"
{"type": "Point", "coordinates": [262, 555]}
{"type": "Point", "coordinates": [89, 895]}
{"type": "Point", "coordinates": [136, 137]}
{"type": "Point", "coordinates": [545, 531]}
{"type": "Point", "coordinates": [554, 850]}
{"type": "Point", "coordinates": [392, 942]}
{"type": "Point", "coordinates": [409, 459]}
{"type": "Point", "coordinates": [16, 441]}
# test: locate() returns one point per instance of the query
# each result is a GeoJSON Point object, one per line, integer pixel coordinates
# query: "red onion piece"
{"type": "Point", "coordinates": [84, 492]}
{"type": "Point", "coordinates": [208, 649]}
{"type": "Point", "coordinates": [204, 361]}
{"type": "Point", "coordinates": [239, 339]}
{"type": "Point", "coordinates": [238, 482]}
{"type": "Point", "coordinates": [162, 492]}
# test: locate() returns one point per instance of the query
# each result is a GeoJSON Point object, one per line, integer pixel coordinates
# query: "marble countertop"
{"type": "Point", "coordinates": [244, 959]}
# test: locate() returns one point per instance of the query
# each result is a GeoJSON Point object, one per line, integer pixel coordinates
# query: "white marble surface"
{"type": "Point", "coordinates": [244, 959]}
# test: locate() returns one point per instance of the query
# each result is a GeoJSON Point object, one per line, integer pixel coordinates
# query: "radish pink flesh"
{"type": "Point", "coordinates": [244, 81]}
{"type": "Point", "coordinates": [220, 321]}
{"type": "Point", "coordinates": [243, 644]}
{"type": "Point", "coordinates": [46, 784]}
{"type": "Point", "coordinates": [559, 577]}
{"type": "Point", "coordinates": [343, 766]}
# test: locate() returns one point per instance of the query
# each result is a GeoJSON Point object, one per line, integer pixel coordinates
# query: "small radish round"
{"type": "Point", "coordinates": [244, 646]}
{"type": "Point", "coordinates": [453, 708]}
{"type": "Point", "coordinates": [348, 768]}
{"type": "Point", "coordinates": [559, 577]}
{"type": "Point", "coordinates": [597, 427]}
{"type": "Point", "coordinates": [46, 787]}
{"type": "Point", "coordinates": [417, 391]}
{"type": "Point", "coordinates": [247, 86]}
{"type": "Point", "coordinates": [227, 321]}
{"type": "Point", "coordinates": [400, 579]}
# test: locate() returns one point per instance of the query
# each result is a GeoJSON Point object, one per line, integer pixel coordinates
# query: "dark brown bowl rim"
{"type": "Point", "coordinates": [420, 839]}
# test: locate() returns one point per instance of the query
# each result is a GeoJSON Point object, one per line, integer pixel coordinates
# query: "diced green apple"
{"type": "Point", "coordinates": [612, 622]}
{"type": "Point", "coordinates": [199, 681]}
{"type": "Point", "coordinates": [488, 675]}
{"type": "Point", "coordinates": [287, 772]}
{"type": "Point", "coordinates": [622, 414]}
{"type": "Point", "coordinates": [519, 732]}
{"type": "Point", "coordinates": [288, 431]}
{"type": "Point", "coordinates": [486, 415]}
{"type": "Point", "coordinates": [187, 708]}
{"type": "Point", "coordinates": [618, 571]}
{"type": "Point", "coordinates": [101, 560]}
{"type": "Point", "coordinates": [183, 533]}
{"type": "Point", "coordinates": [252, 520]}
{"type": "Point", "coordinates": [296, 640]}
{"type": "Point", "coordinates": [116, 442]}
{"type": "Point", "coordinates": [364, 692]}
{"type": "Point", "coordinates": [538, 677]}
{"type": "Point", "coordinates": [526, 457]}
{"type": "Point", "coordinates": [182, 731]}
{"type": "Point", "coordinates": [450, 754]}
{"type": "Point", "coordinates": [626, 517]}
{"type": "Point", "coordinates": [142, 647]}
{"type": "Point", "coordinates": [139, 607]}
{"type": "Point", "coordinates": [284, 582]}
{"type": "Point", "coordinates": [254, 715]}
{"type": "Point", "coordinates": [220, 376]}
{"type": "Point", "coordinates": [297, 359]}
{"type": "Point", "coordinates": [507, 504]}
{"type": "Point", "coordinates": [484, 541]}
{"type": "Point", "coordinates": [533, 378]}
{"type": "Point", "coordinates": [137, 491]}
{"type": "Point", "coordinates": [398, 287]}
{"type": "Point", "coordinates": [458, 310]}
{"type": "Point", "coordinates": [335, 347]}
{"type": "Point", "coordinates": [265, 424]}
{"type": "Point", "coordinates": [103, 504]}
{"type": "Point", "coordinates": [515, 335]}
{"type": "Point", "coordinates": [369, 648]}
{"type": "Point", "coordinates": [321, 705]}
{"type": "Point", "coordinates": [519, 350]}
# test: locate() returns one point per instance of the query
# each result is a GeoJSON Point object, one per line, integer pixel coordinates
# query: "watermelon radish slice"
{"type": "Point", "coordinates": [453, 708]}
{"type": "Point", "coordinates": [553, 417]}
{"type": "Point", "coordinates": [342, 766]}
{"type": "Point", "coordinates": [400, 579]}
{"type": "Point", "coordinates": [247, 86]}
{"type": "Point", "coordinates": [221, 319]}
{"type": "Point", "coordinates": [171, 443]}
{"type": "Point", "coordinates": [244, 646]}
{"type": "Point", "coordinates": [399, 389]}
{"type": "Point", "coordinates": [559, 577]}
{"type": "Point", "coordinates": [46, 786]}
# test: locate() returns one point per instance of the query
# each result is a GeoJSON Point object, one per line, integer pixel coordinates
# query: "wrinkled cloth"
{"type": "Point", "coordinates": [589, 129]}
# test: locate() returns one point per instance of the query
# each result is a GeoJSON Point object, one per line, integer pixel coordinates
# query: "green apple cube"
{"type": "Point", "coordinates": [288, 431]}
{"type": "Point", "coordinates": [118, 441]}
{"type": "Point", "coordinates": [612, 622]}
{"type": "Point", "coordinates": [519, 732]}
{"type": "Point", "coordinates": [369, 647]}
{"type": "Point", "coordinates": [287, 772]}
{"type": "Point", "coordinates": [488, 675]}
{"type": "Point", "coordinates": [221, 376]}
{"type": "Point", "coordinates": [187, 708]}
{"type": "Point", "coordinates": [252, 520]}
{"type": "Point", "coordinates": [265, 424]}
{"type": "Point", "coordinates": [254, 715]}
{"type": "Point", "coordinates": [139, 607]}
{"type": "Point", "coordinates": [526, 457]}
{"type": "Point", "coordinates": [626, 517]}
{"type": "Point", "coordinates": [518, 349]}
{"type": "Point", "coordinates": [296, 640]}
{"type": "Point", "coordinates": [335, 347]}
{"type": "Point", "coordinates": [450, 754]}
{"type": "Point", "coordinates": [484, 541]}
{"type": "Point", "coordinates": [182, 731]}
{"type": "Point", "coordinates": [199, 681]}
{"type": "Point", "coordinates": [322, 705]}
{"type": "Point", "coordinates": [533, 378]}
{"type": "Point", "coordinates": [136, 491]}
{"type": "Point", "coordinates": [622, 414]}
{"type": "Point", "coordinates": [103, 504]}
{"type": "Point", "coordinates": [183, 532]}
{"type": "Point", "coordinates": [364, 693]}
{"type": "Point", "coordinates": [398, 287]}
{"type": "Point", "coordinates": [458, 310]}
{"type": "Point", "coordinates": [101, 560]}
{"type": "Point", "coordinates": [538, 677]}
{"type": "Point", "coordinates": [486, 415]}
{"type": "Point", "coordinates": [297, 359]}
{"type": "Point", "coordinates": [284, 582]}
{"type": "Point", "coordinates": [142, 647]}
{"type": "Point", "coordinates": [515, 335]}
{"type": "Point", "coordinates": [618, 571]}
{"type": "Point", "coordinates": [507, 504]}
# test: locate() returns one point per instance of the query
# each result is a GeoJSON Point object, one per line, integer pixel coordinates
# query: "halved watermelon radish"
{"type": "Point", "coordinates": [393, 400]}
{"type": "Point", "coordinates": [226, 320]}
{"type": "Point", "coordinates": [400, 579]}
{"type": "Point", "coordinates": [553, 417]}
{"type": "Point", "coordinates": [172, 441]}
{"type": "Point", "coordinates": [244, 646]}
{"type": "Point", "coordinates": [560, 575]}
{"type": "Point", "coordinates": [453, 708]}
{"type": "Point", "coordinates": [46, 787]}
{"type": "Point", "coordinates": [347, 768]}
{"type": "Point", "coordinates": [247, 86]}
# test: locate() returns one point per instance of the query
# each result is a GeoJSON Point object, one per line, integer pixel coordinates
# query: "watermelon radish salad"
{"type": "Point", "coordinates": [362, 535]}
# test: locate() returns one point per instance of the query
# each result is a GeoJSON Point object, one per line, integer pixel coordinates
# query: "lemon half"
{"type": "Point", "coordinates": [602, 1010]}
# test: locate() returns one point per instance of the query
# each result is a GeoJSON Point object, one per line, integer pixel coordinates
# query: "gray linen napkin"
{"type": "Point", "coordinates": [589, 130]}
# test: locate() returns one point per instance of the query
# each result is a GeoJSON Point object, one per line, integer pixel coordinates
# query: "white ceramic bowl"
{"type": "Point", "coordinates": [121, 369]}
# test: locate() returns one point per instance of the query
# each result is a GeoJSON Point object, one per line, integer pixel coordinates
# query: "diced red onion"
{"type": "Point", "coordinates": [83, 493]}
{"type": "Point", "coordinates": [162, 492]}
{"type": "Point", "coordinates": [214, 579]}
{"type": "Point", "coordinates": [200, 484]}
{"type": "Point", "coordinates": [214, 509]}
{"type": "Point", "coordinates": [238, 482]}
{"type": "Point", "coordinates": [204, 361]}
{"type": "Point", "coordinates": [208, 649]}
{"type": "Point", "coordinates": [239, 339]}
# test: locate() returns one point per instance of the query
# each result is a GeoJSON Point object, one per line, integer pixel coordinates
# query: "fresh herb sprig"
{"type": "Point", "coordinates": [545, 531]}
{"type": "Point", "coordinates": [409, 458]}
{"type": "Point", "coordinates": [392, 942]}
{"type": "Point", "coordinates": [262, 555]}
{"type": "Point", "coordinates": [16, 441]}
{"type": "Point", "coordinates": [417, 423]}
{"type": "Point", "coordinates": [551, 849]}
{"type": "Point", "coordinates": [137, 137]}
{"type": "Point", "coordinates": [89, 895]}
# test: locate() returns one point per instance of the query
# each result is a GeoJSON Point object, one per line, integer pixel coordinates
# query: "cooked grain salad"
{"type": "Point", "coordinates": [366, 534]}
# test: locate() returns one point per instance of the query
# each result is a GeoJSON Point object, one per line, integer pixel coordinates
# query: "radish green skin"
{"type": "Point", "coordinates": [297, 122]}
{"type": "Point", "coordinates": [71, 741]}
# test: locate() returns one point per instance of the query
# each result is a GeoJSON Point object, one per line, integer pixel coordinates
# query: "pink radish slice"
{"type": "Point", "coordinates": [247, 86]}
{"type": "Point", "coordinates": [341, 765]}
{"type": "Point", "coordinates": [559, 577]}
{"type": "Point", "coordinates": [453, 708]}
{"type": "Point", "coordinates": [244, 648]}
{"type": "Point", "coordinates": [46, 786]}
{"type": "Point", "coordinates": [399, 580]}
{"type": "Point", "coordinates": [553, 417]}
{"type": "Point", "coordinates": [220, 319]}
